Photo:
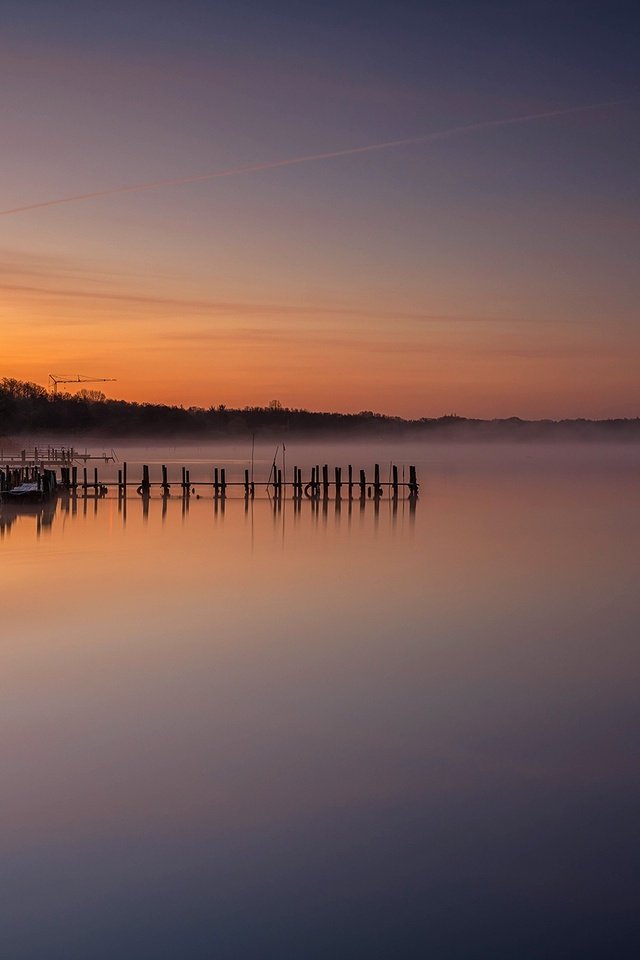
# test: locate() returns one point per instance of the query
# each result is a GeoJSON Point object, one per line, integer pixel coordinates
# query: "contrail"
{"type": "Point", "coordinates": [313, 157]}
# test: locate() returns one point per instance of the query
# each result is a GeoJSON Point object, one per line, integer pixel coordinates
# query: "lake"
{"type": "Point", "coordinates": [314, 730]}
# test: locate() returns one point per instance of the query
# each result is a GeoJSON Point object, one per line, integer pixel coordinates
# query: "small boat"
{"type": "Point", "coordinates": [27, 493]}
{"type": "Point", "coordinates": [34, 489]}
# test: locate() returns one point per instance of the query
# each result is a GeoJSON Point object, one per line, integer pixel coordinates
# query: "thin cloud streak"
{"type": "Point", "coordinates": [235, 307]}
{"type": "Point", "coordinates": [314, 157]}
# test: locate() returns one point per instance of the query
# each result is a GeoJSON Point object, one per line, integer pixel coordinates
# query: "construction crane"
{"type": "Point", "coordinates": [56, 379]}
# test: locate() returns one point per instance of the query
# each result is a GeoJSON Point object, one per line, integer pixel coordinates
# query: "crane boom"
{"type": "Point", "coordinates": [79, 378]}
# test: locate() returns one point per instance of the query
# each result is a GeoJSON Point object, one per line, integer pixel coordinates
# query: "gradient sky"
{"type": "Point", "coordinates": [491, 273]}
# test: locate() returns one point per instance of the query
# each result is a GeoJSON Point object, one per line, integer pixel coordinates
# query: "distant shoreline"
{"type": "Point", "coordinates": [27, 409]}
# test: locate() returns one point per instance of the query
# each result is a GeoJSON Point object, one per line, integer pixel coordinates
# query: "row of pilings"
{"type": "Point", "coordinates": [320, 484]}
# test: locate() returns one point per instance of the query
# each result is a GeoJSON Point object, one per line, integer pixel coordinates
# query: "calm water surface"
{"type": "Point", "coordinates": [354, 732]}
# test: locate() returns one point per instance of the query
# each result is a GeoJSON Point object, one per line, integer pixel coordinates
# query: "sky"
{"type": "Point", "coordinates": [481, 268]}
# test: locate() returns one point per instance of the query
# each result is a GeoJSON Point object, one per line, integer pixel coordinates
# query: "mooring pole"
{"type": "Point", "coordinates": [413, 481]}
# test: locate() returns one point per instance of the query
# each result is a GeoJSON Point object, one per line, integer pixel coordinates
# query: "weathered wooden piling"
{"type": "Point", "coordinates": [338, 482]}
{"type": "Point", "coordinates": [246, 483]}
{"type": "Point", "coordinates": [413, 481]}
{"type": "Point", "coordinates": [166, 489]}
{"type": "Point", "coordinates": [394, 481]}
{"type": "Point", "coordinates": [363, 485]}
{"type": "Point", "coordinates": [350, 481]}
{"type": "Point", "coordinates": [377, 489]}
{"type": "Point", "coordinates": [145, 486]}
{"type": "Point", "coordinates": [223, 482]}
{"type": "Point", "coordinates": [325, 481]}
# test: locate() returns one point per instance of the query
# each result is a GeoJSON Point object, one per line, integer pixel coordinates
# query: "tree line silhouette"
{"type": "Point", "coordinates": [28, 409]}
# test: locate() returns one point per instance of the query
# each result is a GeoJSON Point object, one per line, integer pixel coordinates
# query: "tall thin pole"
{"type": "Point", "coordinates": [284, 467]}
{"type": "Point", "coordinates": [253, 446]}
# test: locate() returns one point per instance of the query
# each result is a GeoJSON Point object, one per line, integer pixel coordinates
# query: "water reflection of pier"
{"type": "Point", "coordinates": [320, 510]}
{"type": "Point", "coordinates": [68, 505]}
{"type": "Point", "coordinates": [41, 513]}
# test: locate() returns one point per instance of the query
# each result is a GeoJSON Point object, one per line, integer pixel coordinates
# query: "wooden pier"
{"type": "Point", "coordinates": [53, 456]}
{"type": "Point", "coordinates": [320, 483]}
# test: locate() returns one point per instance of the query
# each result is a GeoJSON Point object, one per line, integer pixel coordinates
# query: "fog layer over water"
{"type": "Point", "coordinates": [235, 730]}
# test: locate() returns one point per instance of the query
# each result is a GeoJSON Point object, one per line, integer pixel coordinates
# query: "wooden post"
{"type": "Point", "coordinates": [394, 481]}
{"type": "Point", "coordinates": [377, 489]}
{"type": "Point", "coordinates": [325, 481]}
{"type": "Point", "coordinates": [216, 483]}
{"type": "Point", "coordinates": [363, 485]}
{"type": "Point", "coordinates": [350, 468]}
{"type": "Point", "coordinates": [413, 481]}
{"type": "Point", "coordinates": [338, 482]}
{"type": "Point", "coordinates": [187, 475]}
{"type": "Point", "coordinates": [95, 479]}
{"type": "Point", "coordinates": [146, 486]}
{"type": "Point", "coordinates": [246, 483]}
{"type": "Point", "coordinates": [165, 481]}
{"type": "Point", "coordinates": [223, 481]}
{"type": "Point", "coordinates": [84, 480]}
